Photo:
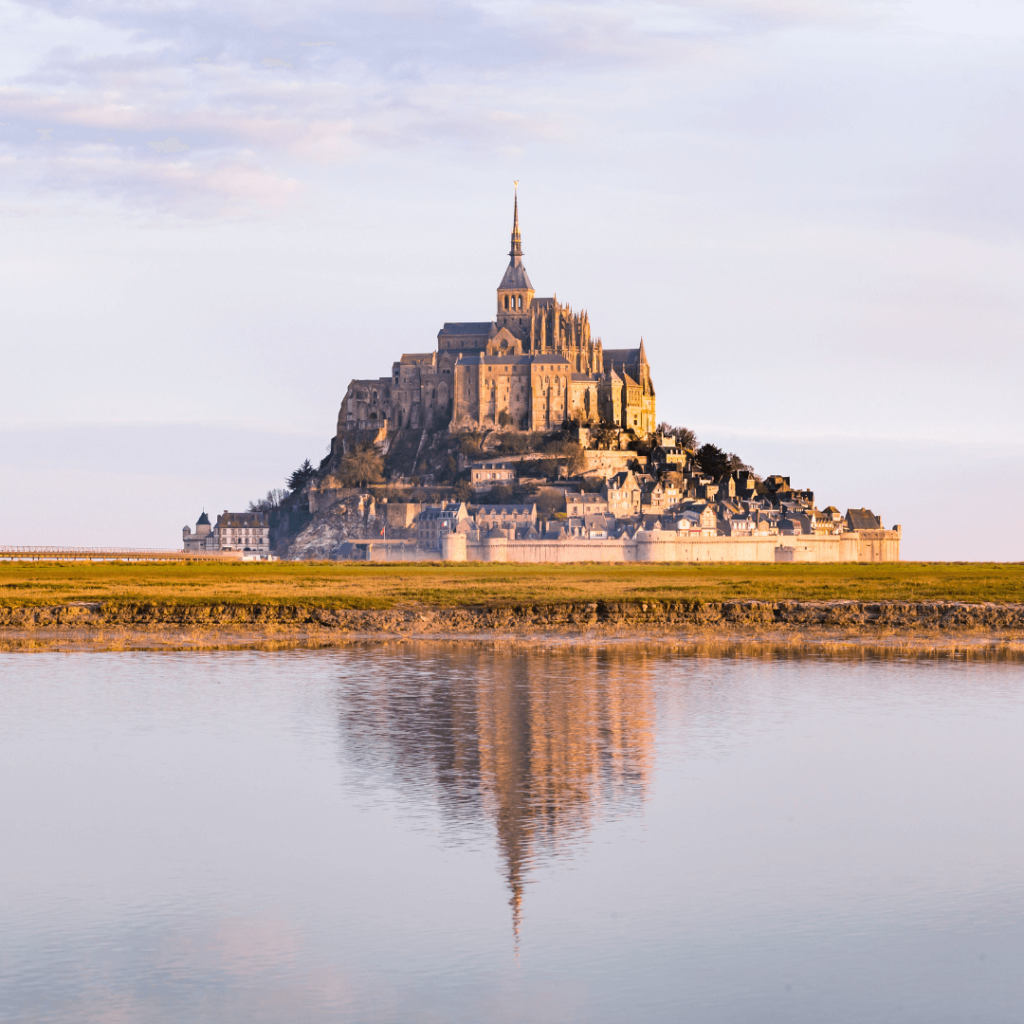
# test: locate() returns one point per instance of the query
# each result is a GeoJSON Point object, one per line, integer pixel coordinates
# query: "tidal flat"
{"type": "Point", "coordinates": [950, 607]}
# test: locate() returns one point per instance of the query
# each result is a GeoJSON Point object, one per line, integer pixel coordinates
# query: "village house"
{"type": "Point", "coordinates": [701, 520]}
{"type": "Point", "coordinates": [243, 531]}
{"type": "Point", "coordinates": [204, 539]}
{"type": "Point", "coordinates": [432, 522]}
{"type": "Point", "coordinates": [487, 475]}
{"type": "Point", "coordinates": [246, 532]}
{"type": "Point", "coordinates": [506, 517]}
{"type": "Point", "coordinates": [660, 497]}
{"type": "Point", "coordinates": [622, 493]}
{"type": "Point", "coordinates": [579, 503]}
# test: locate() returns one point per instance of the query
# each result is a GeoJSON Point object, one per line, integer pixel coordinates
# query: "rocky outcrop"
{"type": "Point", "coordinates": [654, 616]}
{"type": "Point", "coordinates": [354, 518]}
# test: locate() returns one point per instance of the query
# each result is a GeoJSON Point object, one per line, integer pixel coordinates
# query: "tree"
{"type": "Point", "coordinates": [568, 453]}
{"type": "Point", "coordinates": [713, 462]}
{"type": "Point", "coordinates": [361, 466]}
{"type": "Point", "coordinates": [603, 437]}
{"type": "Point", "coordinates": [274, 499]}
{"type": "Point", "coordinates": [471, 445]}
{"type": "Point", "coordinates": [301, 476]}
{"type": "Point", "coordinates": [685, 438]}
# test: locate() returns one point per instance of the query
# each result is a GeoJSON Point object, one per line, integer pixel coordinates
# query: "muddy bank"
{"type": "Point", "coordinates": [649, 617]}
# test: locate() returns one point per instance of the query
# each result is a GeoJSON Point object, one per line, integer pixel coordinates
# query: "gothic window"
{"type": "Point", "coordinates": [520, 301]}
{"type": "Point", "coordinates": [506, 302]}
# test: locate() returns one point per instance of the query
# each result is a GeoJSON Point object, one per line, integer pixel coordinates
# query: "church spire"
{"type": "Point", "coordinates": [517, 241]}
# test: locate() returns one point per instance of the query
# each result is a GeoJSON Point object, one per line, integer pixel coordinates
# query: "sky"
{"type": "Point", "coordinates": [215, 215]}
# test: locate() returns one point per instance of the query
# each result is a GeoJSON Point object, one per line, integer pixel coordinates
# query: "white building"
{"type": "Point", "coordinates": [247, 532]}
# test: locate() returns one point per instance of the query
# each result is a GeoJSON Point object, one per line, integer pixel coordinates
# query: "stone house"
{"type": "Point", "coordinates": [862, 519]}
{"type": "Point", "coordinates": [434, 521]}
{"type": "Point", "coordinates": [581, 503]}
{"type": "Point", "coordinates": [487, 475]}
{"type": "Point", "coordinates": [204, 539]}
{"type": "Point", "coordinates": [660, 497]}
{"type": "Point", "coordinates": [737, 526]}
{"type": "Point", "coordinates": [623, 494]}
{"type": "Point", "coordinates": [701, 520]}
{"type": "Point", "coordinates": [506, 517]}
{"type": "Point", "coordinates": [243, 531]}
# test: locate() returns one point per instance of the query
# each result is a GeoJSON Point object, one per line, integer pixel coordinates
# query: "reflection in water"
{"type": "Point", "coordinates": [537, 743]}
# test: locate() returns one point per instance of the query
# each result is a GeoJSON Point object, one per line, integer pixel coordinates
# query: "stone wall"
{"type": "Point", "coordinates": [664, 546]}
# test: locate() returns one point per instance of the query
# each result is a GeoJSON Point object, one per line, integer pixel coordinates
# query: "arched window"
{"type": "Point", "coordinates": [520, 302]}
{"type": "Point", "coordinates": [506, 302]}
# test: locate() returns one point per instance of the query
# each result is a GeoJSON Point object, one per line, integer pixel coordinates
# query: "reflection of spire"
{"type": "Point", "coordinates": [515, 901]}
{"type": "Point", "coordinates": [534, 743]}
{"type": "Point", "coordinates": [553, 740]}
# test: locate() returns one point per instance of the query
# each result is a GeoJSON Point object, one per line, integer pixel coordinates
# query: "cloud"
{"type": "Point", "coordinates": [45, 133]}
{"type": "Point", "coordinates": [475, 78]}
{"type": "Point", "coordinates": [171, 145]}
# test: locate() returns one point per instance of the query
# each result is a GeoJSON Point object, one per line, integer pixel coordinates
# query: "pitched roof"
{"type": "Point", "coordinates": [626, 356]}
{"type": "Point", "coordinates": [492, 510]}
{"type": "Point", "coordinates": [242, 520]}
{"type": "Point", "coordinates": [862, 519]}
{"type": "Point", "coordinates": [203, 520]}
{"type": "Point", "coordinates": [467, 328]}
{"type": "Point", "coordinates": [515, 277]}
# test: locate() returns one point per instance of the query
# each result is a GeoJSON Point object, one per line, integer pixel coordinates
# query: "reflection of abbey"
{"type": "Point", "coordinates": [544, 746]}
{"type": "Point", "coordinates": [534, 367]}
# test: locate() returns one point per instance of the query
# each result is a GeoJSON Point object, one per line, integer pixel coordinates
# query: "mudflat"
{"type": "Point", "coordinates": [944, 607]}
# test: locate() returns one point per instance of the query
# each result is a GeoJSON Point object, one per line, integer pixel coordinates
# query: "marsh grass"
{"type": "Point", "coordinates": [448, 585]}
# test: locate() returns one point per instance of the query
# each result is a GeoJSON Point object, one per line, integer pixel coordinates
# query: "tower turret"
{"type": "Point", "coordinates": [515, 293]}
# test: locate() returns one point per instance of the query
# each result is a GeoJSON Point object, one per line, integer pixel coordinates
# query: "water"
{"type": "Point", "coordinates": [463, 834]}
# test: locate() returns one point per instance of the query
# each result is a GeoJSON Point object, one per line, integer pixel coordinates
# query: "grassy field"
{"type": "Point", "coordinates": [356, 585]}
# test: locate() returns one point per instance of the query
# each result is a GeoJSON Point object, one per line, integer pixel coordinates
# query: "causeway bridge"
{"type": "Point", "coordinates": [43, 553]}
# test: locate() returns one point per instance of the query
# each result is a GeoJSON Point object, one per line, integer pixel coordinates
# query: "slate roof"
{"type": "Point", "coordinates": [242, 520]}
{"type": "Point", "coordinates": [467, 328]}
{"type": "Point", "coordinates": [862, 519]}
{"type": "Point", "coordinates": [203, 520]}
{"type": "Point", "coordinates": [515, 277]}
{"type": "Point", "coordinates": [505, 510]}
{"type": "Point", "coordinates": [627, 356]}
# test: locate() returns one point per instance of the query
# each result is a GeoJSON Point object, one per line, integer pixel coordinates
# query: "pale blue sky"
{"type": "Point", "coordinates": [810, 210]}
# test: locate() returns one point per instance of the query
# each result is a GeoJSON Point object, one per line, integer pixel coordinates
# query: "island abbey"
{"type": "Point", "coordinates": [535, 366]}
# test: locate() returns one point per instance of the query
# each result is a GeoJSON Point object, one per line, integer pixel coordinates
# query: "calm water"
{"type": "Point", "coordinates": [455, 834]}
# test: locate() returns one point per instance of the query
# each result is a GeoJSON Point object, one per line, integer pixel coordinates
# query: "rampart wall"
{"type": "Point", "coordinates": [664, 546]}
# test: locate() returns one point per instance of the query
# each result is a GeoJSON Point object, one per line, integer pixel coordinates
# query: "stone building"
{"type": "Point", "coordinates": [247, 532]}
{"type": "Point", "coordinates": [204, 539]}
{"type": "Point", "coordinates": [533, 367]}
{"type": "Point", "coordinates": [488, 475]}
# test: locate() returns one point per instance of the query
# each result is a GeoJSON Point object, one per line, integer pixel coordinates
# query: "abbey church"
{"type": "Point", "coordinates": [534, 367]}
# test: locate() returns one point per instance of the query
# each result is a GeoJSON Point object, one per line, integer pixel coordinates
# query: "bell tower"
{"type": "Point", "coordinates": [515, 293]}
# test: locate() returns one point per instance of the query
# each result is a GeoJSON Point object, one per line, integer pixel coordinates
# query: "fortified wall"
{"type": "Point", "coordinates": [662, 546]}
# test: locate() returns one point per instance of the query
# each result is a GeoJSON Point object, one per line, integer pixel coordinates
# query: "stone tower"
{"type": "Point", "coordinates": [515, 293]}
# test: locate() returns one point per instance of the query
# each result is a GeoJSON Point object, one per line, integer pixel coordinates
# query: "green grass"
{"type": "Point", "coordinates": [362, 585]}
